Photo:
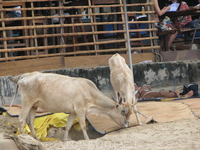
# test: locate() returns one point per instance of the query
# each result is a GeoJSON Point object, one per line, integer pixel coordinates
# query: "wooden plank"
{"type": "Point", "coordinates": [102, 60]}
{"type": "Point", "coordinates": [23, 66]}
{"type": "Point", "coordinates": [137, 58]}
{"type": "Point", "coordinates": [105, 1]}
{"type": "Point", "coordinates": [180, 55]}
{"type": "Point", "coordinates": [14, 44]}
{"type": "Point", "coordinates": [18, 1]}
{"type": "Point", "coordinates": [51, 63]}
{"type": "Point", "coordinates": [13, 3]}
{"type": "Point", "coordinates": [93, 44]}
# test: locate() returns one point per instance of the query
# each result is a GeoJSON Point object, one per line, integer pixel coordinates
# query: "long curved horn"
{"type": "Point", "coordinates": [120, 100]}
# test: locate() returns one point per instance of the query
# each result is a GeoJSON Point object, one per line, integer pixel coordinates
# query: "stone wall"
{"type": "Point", "coordinates": [158, 75]}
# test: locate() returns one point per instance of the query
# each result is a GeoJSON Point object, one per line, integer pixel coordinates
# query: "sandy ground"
{"type": "Point", "coordinates": [182, 134]}
{"type": "Point", "coordinates": [176, 135]}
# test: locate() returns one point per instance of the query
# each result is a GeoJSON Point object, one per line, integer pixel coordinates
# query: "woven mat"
{"type": "Point", "coordinates": [15, 110]}
{"type": "Point", "coordinates": [161, 111]}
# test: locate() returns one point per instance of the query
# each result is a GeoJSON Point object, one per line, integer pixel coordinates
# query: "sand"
{"type": "Point", "coordinates": [181, 134]}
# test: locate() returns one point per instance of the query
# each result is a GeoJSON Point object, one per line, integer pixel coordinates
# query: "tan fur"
{"type": "Point", "coordinates": [59, 93]}
{"type": "Point", "coordinates": [122, 81]}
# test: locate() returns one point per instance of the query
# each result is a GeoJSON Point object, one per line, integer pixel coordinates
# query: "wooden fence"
{"type": "Point", "coordinates": [56, 34]}
{"type": "Point", "coordinates": [46, 29]}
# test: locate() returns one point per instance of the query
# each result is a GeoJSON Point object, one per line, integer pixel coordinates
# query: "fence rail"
{"type": "Point", "coordinates": [50, 28]}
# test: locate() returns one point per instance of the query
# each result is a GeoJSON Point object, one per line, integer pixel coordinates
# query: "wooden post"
{"type": "Point", "coordinates": [4, 32]}
{"type": "Point", "coordinates": [94, 28]}
{"type": "Point", "coordinates": [61, 12]}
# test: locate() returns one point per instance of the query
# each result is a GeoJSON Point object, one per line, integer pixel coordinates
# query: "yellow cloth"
{"type": "Point", "coordinates": [42, 124]}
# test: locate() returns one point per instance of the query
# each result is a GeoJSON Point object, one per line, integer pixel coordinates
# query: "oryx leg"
{"type": "Point", "coordinates": [70, 121]}
{"type": "Point", "coordinates": [23, 116]}
{"type": "Point", "coordinates": [136, 114]}
{"type": "Point", "coordinates": [30, 121]}
{"type": "Point", "coordinates": [81, 118]}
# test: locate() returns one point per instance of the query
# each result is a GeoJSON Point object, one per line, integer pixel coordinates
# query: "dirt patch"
{"type": "Point", "coordinates": [182, 134]}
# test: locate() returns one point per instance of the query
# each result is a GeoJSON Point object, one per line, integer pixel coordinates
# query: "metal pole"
{"type": "Point", "coordinates": [128, 37]}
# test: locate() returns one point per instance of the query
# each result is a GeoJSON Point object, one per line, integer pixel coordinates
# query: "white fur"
{"type": "Point", "coordinates": [122, 81]}
{"type": "Point", "coordinates": [59, 93]}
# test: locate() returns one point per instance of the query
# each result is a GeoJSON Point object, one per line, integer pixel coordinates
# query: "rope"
{"type": "Point", "coordinates": [159, 57]}
{"type": "Point", "coordinates": [142, 114]}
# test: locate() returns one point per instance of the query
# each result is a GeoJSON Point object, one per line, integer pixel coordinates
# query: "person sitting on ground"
{"type": "Point", "coordinates": [145, 92]}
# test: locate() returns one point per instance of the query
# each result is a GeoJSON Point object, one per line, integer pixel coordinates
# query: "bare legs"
{"type": "Point", "coordinates": [171, 38]}
{"type": "Point", "coordinates": [153, 94]}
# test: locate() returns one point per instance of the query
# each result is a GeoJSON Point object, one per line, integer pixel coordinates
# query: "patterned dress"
{"type": "Point", "coordinates": [182, 20]}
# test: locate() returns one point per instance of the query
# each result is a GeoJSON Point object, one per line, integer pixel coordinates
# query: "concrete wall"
{"type": "Point", "coordinates": [158, 75]}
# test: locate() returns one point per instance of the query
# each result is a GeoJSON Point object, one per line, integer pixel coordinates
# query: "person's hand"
{"type": "Point", "coordinates": [136, 87]}
{"type": "Point", "coordinates": [166, 8]}
{"type": "Point", "coordinates": [149, 87]}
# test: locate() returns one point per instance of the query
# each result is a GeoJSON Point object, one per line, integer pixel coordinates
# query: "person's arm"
{"type": "Point", "coordinates": [159, 11]}
{"type": "Point", "coordinates": [137, 95]}
{"type": "Point", "coordinates": [141, 91]}
{"type": "Point", "coordinates": [197, 7]}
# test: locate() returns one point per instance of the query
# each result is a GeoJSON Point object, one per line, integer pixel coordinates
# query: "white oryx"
{"type": "Point", "coordinates": [122, 81]}
{"type": "Point", "coordinates": [58, 93]}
